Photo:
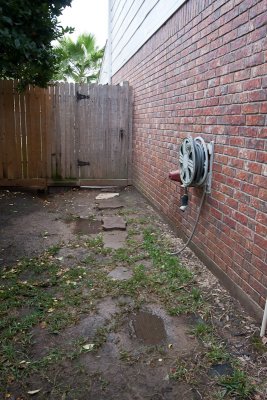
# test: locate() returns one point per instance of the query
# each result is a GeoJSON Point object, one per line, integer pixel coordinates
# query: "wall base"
{"type": "Point", "coordinates": [235, 291]}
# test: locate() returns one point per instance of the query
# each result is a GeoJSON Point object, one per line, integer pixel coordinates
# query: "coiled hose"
{"type": "Point", "coordinates": [197, 148]}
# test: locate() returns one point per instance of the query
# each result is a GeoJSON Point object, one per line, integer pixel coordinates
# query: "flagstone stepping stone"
{"type": "Point", "coordinates": [113, 223]}
{"type": "Point", "coordinates": [106, 196]}
{"type": "Point", "coordinates": [114, 239]}
{"type": "Point", "coordinates": [109, 204]}
{"type": "Point", "coordinates": [120, 274]}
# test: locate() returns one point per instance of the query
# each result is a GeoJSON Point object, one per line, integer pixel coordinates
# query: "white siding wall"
{"type": "Point", "coordinates": [131, 24]}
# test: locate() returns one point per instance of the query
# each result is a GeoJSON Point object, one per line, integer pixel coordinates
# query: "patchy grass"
{"type": "Point", "coordinates": [238, 386]}
{"type": "Point", "coordinates": [42, 292]}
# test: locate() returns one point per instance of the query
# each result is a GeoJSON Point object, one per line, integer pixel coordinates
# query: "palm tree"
{"type": "Point", "coordinates": [79, 61]}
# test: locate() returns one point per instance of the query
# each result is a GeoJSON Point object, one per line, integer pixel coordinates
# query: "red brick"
{"type": "Point", "coordinates": [255, 120]}
{"type": "Point", "coordinates": [252, 84]}
{"type": "Point", "coordinates": [250, 189]}
{"type": "Point", "coordinates": [250, 108]}
{"type": "Point", "coordinates": [245, 209]}
{"type": "Point", "coordinates": [260, 181]}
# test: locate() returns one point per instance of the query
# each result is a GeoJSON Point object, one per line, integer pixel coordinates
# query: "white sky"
{"type": "Point", "coordinates": [87, 16]}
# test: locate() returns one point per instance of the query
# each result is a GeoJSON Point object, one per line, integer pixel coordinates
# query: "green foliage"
{"type": "Point", "coordinates": [217, 354]}
{"type": "Point", "coordinates": [27, 29]}
{"type": "Point", "coordinates": [238, 385]}
{"type": "Point", "coordinates": [79, 61]}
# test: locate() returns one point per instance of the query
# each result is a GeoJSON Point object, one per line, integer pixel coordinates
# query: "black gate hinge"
{"type": "Point", "coordinates": [82, 163]}
{"type": "Point", "coordinates": [80, 96]}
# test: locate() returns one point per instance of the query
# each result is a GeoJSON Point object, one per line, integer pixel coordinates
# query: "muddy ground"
{"type": "Point", "coordinates": [88, 313]}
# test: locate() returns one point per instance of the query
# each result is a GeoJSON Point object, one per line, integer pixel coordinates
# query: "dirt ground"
{"type": "Point", "coordinates": [88, 313]}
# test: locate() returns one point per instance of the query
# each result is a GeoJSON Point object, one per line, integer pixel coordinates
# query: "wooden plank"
{"type": "Point", "coordinates": [123, 100]}
{"type": "Point", "coordinates": [94, 152]}
{"type": "Point", "coordinates": [76, 128]}
{"type": "Point", "coordinates": [32, 182]}
{"type": "Point", "coordinates": [104, 107]}
{"type": "Point", "coordinates": [62, 111]}
{"type": "Point", "coordinates": [2, 130]}
{"type": "Point", "coordinates": [17, 150]}
{"type": "Point", "coordinates": [57, 134]}
{"type": "Point", "coordinates": [67, 131]}
{"type": "Point", "coordinates": [72, 133]}
{"type": "Point", "coordinates": [114, 173]}
{"type": "Point", "coordinates": [53, 131]}
{"type": "Point", "coordinates": [130, 134]}
{"type": "Point", "coordinates": [42, 93]}
{"type": "Point", "coordinates": [48, 135]}
{"type": "Point", "coordinates": [84, 110]}
{"type": "Point", "coordinates": [9, 123]}
{"type": "Point", "coordinates": [23, 123]}
{"type": "Point", "coordinates": [33, 133]}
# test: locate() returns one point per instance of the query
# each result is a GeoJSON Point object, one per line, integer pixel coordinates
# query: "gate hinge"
{"type": "Point", "coordinates": [80, 96]}
{"type": "Point", "coordinates": [82, 163]}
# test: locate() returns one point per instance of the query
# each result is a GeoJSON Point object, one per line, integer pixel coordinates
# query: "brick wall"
{"type": "Point", "coordinates": [205, 73]}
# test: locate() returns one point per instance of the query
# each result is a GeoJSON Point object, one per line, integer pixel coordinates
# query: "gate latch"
{"type": "Point", "coordinates": [82, 163]}
{"type": "Point", "coordinates": [80, 96]}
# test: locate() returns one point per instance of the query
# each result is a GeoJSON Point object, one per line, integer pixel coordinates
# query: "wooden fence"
{"type": "Point", "coordinates": [66, 134]}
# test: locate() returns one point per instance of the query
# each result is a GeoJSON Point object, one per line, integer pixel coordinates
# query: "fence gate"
{"type": "Point", "coordinates": [102, 134]}
{"type": "Point", "coordinates": [68, 134]}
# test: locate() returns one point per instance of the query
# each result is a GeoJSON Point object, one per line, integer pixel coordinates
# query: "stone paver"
{"type": "Point", "coordinates": [110, 204]}
{"type": "Point", "coordinates": [114, 239]}
{"type": "Point", "coordinates": [113, 223]}
{"type": "Point", "coordinates": [120, 274]}
{"type": "Point", "coordinates": [106, 196]}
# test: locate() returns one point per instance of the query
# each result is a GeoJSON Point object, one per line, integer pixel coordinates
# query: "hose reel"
{"type": "Point", "coordinates": [193, 161]}
{"type": "Point", "coordinates": [195, 166]}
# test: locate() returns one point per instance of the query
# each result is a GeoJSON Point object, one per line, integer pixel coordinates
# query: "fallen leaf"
{"type": "Point", "coordinates": [89, 346]}
{"type": "Point", "coordinates": [50, 310]}
{"type": "Point", "coordinates": [264, 340]}
{"type": "Point", "coordinates": [34, 391]}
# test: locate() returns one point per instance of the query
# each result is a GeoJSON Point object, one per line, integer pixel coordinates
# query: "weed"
{"type": "Point", "coordinates": [53, 250]}
{"type": "Point", "coordinates": [89, 260]}
{"type": "Point", "coordinates": [100, 337]}
{"type": "Point", "coordinates": [217, 354]}
{"type": "Point", "coordinates": [178, 373]}
{"type": "Point", "coordinates": [257, 344]}
{"type": "Point", "coordinates": [127, 357]}
{"type": "Point", "coordinates": [95, 243]}
{"type": "Point", "coordinates": [238, 384]}
{"type": "Point", "coordinates": [202, 330]}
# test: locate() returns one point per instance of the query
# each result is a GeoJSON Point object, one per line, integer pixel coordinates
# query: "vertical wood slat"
{"type": "Point", "coordinates": [62, 117]}
{"type": "Point", "coordinates": [23, 124]}
{"type": "Point", "coordinates": [33, 133]}
{"type": "Point", "coordinates": [9, 123]}
{"type": "Point", "coordinates": [43, 132]}
{"type": "Point", "coordinates": [67, 131]}
{"type": "Point", "coordinates": [48, 134]}
{"type": "Point", "coordinates": [130, 136]}
{"type": "Point", "coordinates": [17, 132]}
{"type": "Point", "coordinates": [2, 132]}
{"type": "Point", "coordinates": [72, 133]}
{"type": "Point", "coordinates": [57, 134]}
